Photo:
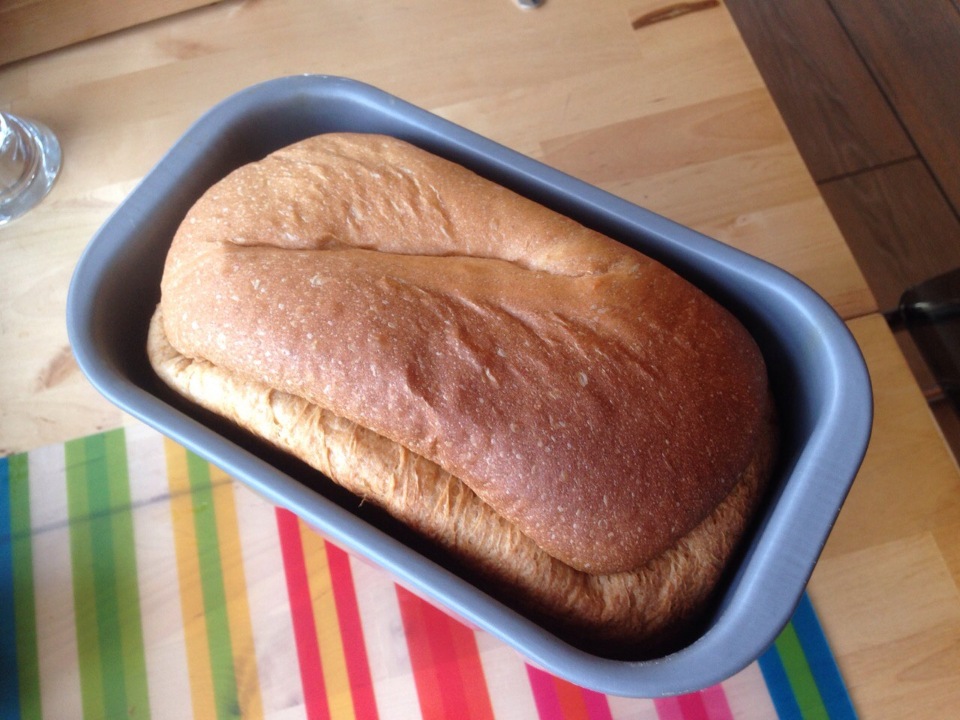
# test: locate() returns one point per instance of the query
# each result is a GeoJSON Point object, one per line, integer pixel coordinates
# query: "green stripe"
{"type": "Point", "coordinates": [126, 583]}
{"type": "Point", "coordinates": [212, 587]}
{"type": "Point", "coordinates": [28, 664]}
{"type": "Point", "coordinates": [84, 593]}
{"type": "Point", "coordinates": [105, 572]}
{"type": "Point", "coordinates": [106, 596]}
{"type": "Point", "coordinates": [799, 674]}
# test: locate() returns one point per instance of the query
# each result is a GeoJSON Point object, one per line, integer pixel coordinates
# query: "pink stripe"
{"type": "Point", "coordinates": [682, 707]}
{"type": "Point", "coordinates": [668, 708]}
{"type": "Point", "coordinates": [715, 699]}
{"type": "Point", "coordinates": [597, 706]}
{"type": "Point", "coordinates": [692, 707]}
{"type": "Point", "coordinates": [709, 704]}
{"type": "Point", "coordinates": [544, 694]}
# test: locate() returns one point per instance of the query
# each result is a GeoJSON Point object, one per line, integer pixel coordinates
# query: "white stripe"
{"type": "Point", "coordinates": [53, 585]}
{"type": "Point", "coordinates": [274, 641]}
{"type": "Point", "coordinates": [507, 681]}
{"type": "Point", "coordinates": [622, 708]}
{"type": "Point", "coordinates": [146, 465]}
{"type": "Point", "coordinates": [394, 686]}
{"type": "Point", "coordinates": [748, 696]}
{"type": "Point", "coordinates": [168, 680]}
{"type": "Point", "coordinates": [48, 487]}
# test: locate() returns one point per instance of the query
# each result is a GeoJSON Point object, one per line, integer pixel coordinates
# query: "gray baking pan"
{"type": "Point", "coordinates": [818, 374]}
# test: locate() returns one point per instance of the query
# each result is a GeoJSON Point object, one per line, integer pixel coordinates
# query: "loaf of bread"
{"type": "Point", "coordinates": [581, 430]}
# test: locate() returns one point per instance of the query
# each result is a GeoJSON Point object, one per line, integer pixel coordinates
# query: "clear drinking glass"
{"type": "Point", "coordinates": [29, 163]}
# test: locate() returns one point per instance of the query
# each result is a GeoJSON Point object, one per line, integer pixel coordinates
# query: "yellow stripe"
{"type": "Point", "coordinates": [191, 593]}
{"type": "Point", "coordinates": [235, 589]}
{"type": "Point", "coordinates": [332, 656]}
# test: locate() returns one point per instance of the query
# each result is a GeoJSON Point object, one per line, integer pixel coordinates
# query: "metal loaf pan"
{"type": "Point", "coordinates": [819, 377]}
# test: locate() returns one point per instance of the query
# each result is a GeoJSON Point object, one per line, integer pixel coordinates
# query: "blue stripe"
{"type": "Point", "coordinates": [778, 685]}
{"type": "Point", "coordinates": [9, 680]}
{"type": "Point", "coordinates": [822, 664]}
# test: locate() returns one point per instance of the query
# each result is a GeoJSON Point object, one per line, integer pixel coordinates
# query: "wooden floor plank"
{"type": "Point", "coordinates": [913, 50]}
{"type": "Point", "coordinates": [898, 225]}
{"type": "Point", "coordinates": [837, 116]}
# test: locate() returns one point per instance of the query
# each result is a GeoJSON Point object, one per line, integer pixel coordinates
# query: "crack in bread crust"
{"type": "Point", "coordinates": [563, 381]}
{"type": "Point", "coordinates": [577, 424]}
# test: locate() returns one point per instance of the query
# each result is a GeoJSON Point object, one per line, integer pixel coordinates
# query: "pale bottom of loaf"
{"type": "Point", "coordinates": [620, 610]}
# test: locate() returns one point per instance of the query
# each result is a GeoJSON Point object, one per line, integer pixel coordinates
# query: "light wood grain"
{"type": "Point", "coordinates": [672, 115]}
{"type": "Point", "coordinates": [888, 584]}
{"type": "Point", "coordinates": [908, 483]}
{"type": "Point", "coordinates": [31, 27]}
{"type": "Point", "coordinates": [892, 616]}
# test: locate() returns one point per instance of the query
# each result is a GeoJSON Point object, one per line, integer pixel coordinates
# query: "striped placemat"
{"type": "Point", "coordinates": [137, 580]}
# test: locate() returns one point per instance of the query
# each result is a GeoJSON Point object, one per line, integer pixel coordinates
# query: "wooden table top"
{"type": "Point", "coordinates": [660, 106]}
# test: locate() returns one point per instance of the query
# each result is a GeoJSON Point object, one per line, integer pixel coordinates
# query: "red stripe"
{"type": "Point", "coordinates": [466, 663]}
{"type": "Point", "coordinates": [421, 656]}
{"type": "Point", "coordinates": [301, 610]}
{"type": "Point", "coordinates": [446, 662]}
{"type": "Point", "coordinates": [351, 632]}
{"type": "Point", "coordinates": [571, 700]}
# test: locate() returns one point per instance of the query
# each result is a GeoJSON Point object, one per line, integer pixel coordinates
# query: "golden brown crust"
{"type": "Point", "coordinates": [613, 610]}
{"type": "Point", "coordinates": [597, 401]}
